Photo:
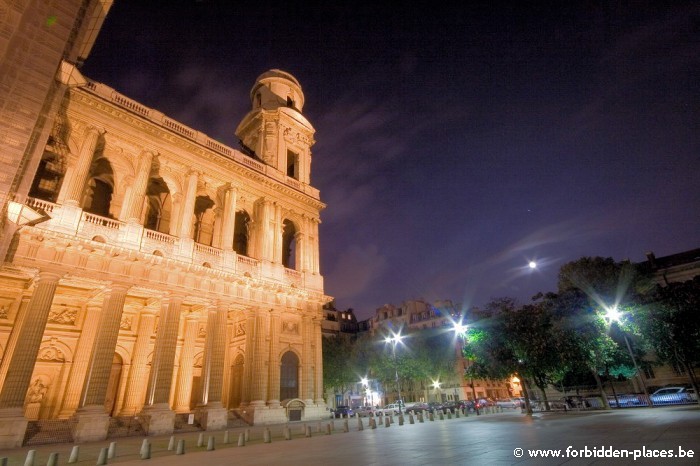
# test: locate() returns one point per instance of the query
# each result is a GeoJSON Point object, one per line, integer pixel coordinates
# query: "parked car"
{"type": "Point", "coordinates": [511, 403]}
{"type": "Point", "coordinates": [365, 411]}
{"type": "Point", "coordinates": [392, 408]}
{"type": "Point", "coordinates": [673, 395]}
{"type": "Point", "coordinates": [434, 407]}
{"type": "Point", "coordinates": [627, 400]}
{"type": "Point", "coordinates": [416, 407]}
{"type": "Point", "coordinates": [450, 406]}
{"type": "Point", "coordinates": [343, 411]}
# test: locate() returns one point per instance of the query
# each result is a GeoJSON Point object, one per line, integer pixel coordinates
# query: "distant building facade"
{"type": "Point", "coordinates": [418, 315]}
{"type": "Point", "coordinates": [173, 274]}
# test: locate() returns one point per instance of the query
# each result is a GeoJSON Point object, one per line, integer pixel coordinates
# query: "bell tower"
{"type": "Point", "coordinates": [275, 128]}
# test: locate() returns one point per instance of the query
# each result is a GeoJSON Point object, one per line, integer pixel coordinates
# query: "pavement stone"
{"type": "Point", "coordinates": [487, 439]}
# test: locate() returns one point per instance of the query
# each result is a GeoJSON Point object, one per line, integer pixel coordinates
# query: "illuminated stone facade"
{"type": "Point", "coordinates": [173, 274]}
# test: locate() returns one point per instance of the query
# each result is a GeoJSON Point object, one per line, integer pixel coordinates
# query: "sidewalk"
{"type": "Point", "coordinates": [486, 439]}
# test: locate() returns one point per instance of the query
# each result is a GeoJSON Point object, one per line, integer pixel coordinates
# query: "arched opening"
{"type": "Point", "coordinates": [159, 206]}
{"type": "Point", "coordinates": [289, 376]}
{"type": "Point", "coordinates": [204, 220]}
{"type": "Point", "coordinates": [49, 177]}
{"type": "Point", "coordinates": [113, 385]}
{"type": "Point", "coordinates": [241, 233]}
{"type": "Point", "coordinates": [100, 187]}
{"type": "Point", "coordinates": [289, 244]}
{"type": "Point", "coordinates": [292, 165]}
{"type": "Point", "coordinates": [236, 392]}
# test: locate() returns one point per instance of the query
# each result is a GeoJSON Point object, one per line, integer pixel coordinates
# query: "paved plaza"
{"type": "Point", "coordinates": [487, 439]}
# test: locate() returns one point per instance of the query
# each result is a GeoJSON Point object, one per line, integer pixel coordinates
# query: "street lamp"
{"type": "Point", "coordinates": [613, 314]}
{"type": "Point", "coordinates": [436, 387]}
{"type": "Point", "coordinates": [394, 340]}
{"type": "Point", "coordinates": [461, 332]}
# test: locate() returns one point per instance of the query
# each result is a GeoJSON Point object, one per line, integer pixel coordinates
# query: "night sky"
{"type": "Point", "coordinates": [454, 144]}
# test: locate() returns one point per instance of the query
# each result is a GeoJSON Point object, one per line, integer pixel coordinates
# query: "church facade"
{"type": "Point", "coordinates": [168, 274]}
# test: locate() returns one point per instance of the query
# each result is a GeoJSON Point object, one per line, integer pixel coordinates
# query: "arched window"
{"type": "Point", "coordinates": [100, 186]}
{"type": "Point", "coordinates": [159, 206]}
{"type": "Point", "coordinates": [289, 376]}
{"type": "Point", "coordinates": [204, 220]}
{"type": "Point", "coordinates": [241, 232]}
{"type": "Point", "coordinates": [289, 246]}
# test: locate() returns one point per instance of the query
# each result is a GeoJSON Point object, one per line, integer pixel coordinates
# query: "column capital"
{"type": "Point", "coordinates": [43, 276]}
{"type": "Point", "coordinates": [117, 288]}
{"type": "Point", "coordinates": [95, 129]}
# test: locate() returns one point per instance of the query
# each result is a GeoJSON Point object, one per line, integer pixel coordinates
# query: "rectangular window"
{"type": "Point", "coordinates": [292, 165]}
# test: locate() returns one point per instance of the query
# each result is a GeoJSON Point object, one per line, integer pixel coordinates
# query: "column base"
{"type": "Point", "coordinates": [212, 417]}
{"type": "Point", "coordinates": [13, 426]}
{"type": "Point", "coordinates": [157, 420]}
{"type": "Point", "coordinates": [262, 415]}
{"type": "Point", "coordinates": [91, 424]}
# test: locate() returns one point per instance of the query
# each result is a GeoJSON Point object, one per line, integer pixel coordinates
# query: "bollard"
{"type": "Point", "coordinates": [53, 460]}
{"type": "Point", "coordinates": [441, 416]}
{"type": "Point", "coordinates": [241, 440]}
{"type": "Point", "coordinates": [180, 447]}
{"type": "Point", "coordinates": [346, 427]}
{"type": "Point", "coordinates": [332, 425]}
{"type": "Point", "coordinates": [146, 451]}
{"type": "Point", "coordinates": [400, 420]}
{"type": "Point", "coordinates": [410, 419]}
{"type": "Point", "coordinates": [144, 447]}
{"type": "Point", "coordinates": [457, 414]}
{"type": "Point", "coordinates": [449, 414]}
{"type": "Point", "coordinates": [387, 422]}
{"type": "Point", "coordinates": [267, 438]}
{"type": "Point", "coordinates": [431, 416]}
{"type": "Point", "coordinates": [373, 423]}
{"type": "Point", "coordinates": [3, 461]}
{"type": "Point", "coordinates": [287, 433]}
{"type": "Point", "coordinates": [359, 424]}
{"type": "Point", "coordinates": [307, 431]}
{"type": "Point", "coordinates": [200, 440]}
{"type": "Point", "coordinates": [328, 429]}
{"type": "Point", "coordinates": [226, 437]}
{"type": "Point", "coordinates": [29, 460]}
{"type": "Point", "coordinates": [102, 458]}
{"type": "Point", "coordinates": [247, 435]}
{"type": "Point", "coordinates": [420, 417]}
{"type": "Point", "coordinates": [171, 443]}
{"type": "Point", "coordinates": [210, 443]}
{"type": "Point", "coordinates": [75, 451]}
{"type": "Point", "coordinates": [112, 450]}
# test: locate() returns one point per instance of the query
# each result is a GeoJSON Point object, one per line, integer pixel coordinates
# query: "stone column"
{"type": "Point", "coordinates": [260, 352]}
{"type": "Point", "coordinates": [183, 392]}
{"type": "Point", "coordinates": [157, 416]}
{"type": "Point", "coordinates": [76, 378]}
{"type": "Point", "coordinates": [74, 193]}
{"type": "Point", "coordinates": [229, 221]}
{"type": "Point", "coordinates": [133, 207]}
{"type": "Point", "coordinates": [138, 373]}
{"type": "Point", "coordinates": [14, 390]}
{"type": "Point", "coordinates": [249, 351]}
{"type": "Point", "coordinates": [307, 359]}
{"type": "Point", "coordinates": [212, 414]}
{"type": "Point", "coordinates": [188, 206]}
{"type": "Point", "coordinates": [92, 422]}
{"type": "Point", "coordinates": [313, 246]}
{"type": "Point", "coordinates": [273, 392]}
{"type": "Point", "coordinates": [318, 362]}
{"type": "Point", "coordinates": [230, 328]}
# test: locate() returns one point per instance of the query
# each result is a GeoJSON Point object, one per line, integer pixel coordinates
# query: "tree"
{"type": "Point", "coordinates": [506, 339]}
{"type": "Point", "coordinates": [586, 288]}
{"type": "Point", "coordinates": [670, 319]}
{"type": "Point", "coordinates": [337, 373]}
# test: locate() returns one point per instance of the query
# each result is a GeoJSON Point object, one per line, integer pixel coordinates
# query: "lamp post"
{"type": "Point", "coordinates": [612, 314]}
{"type": "Point", "coordinates": [394, 340]}
{"type": "Point", "coordinates": [461, 332]}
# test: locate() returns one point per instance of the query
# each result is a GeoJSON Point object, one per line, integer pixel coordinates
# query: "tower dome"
{"type": "Point", "coordinates": [276, 88]}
